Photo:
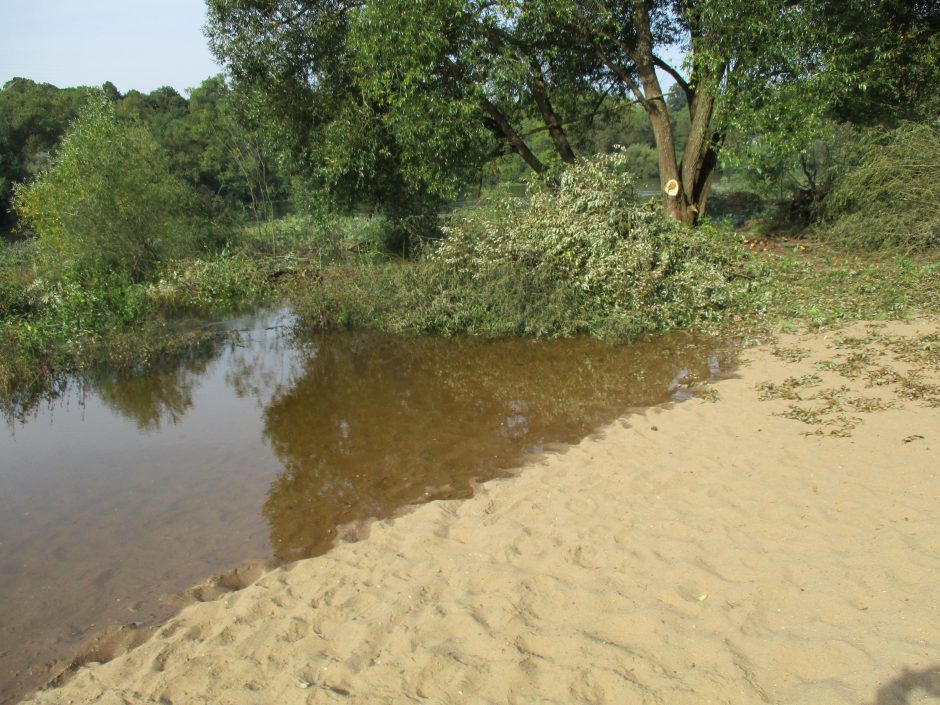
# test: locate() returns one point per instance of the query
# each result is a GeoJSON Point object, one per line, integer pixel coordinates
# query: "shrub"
{"type": "Point", "coordinates": [328, 237]}
{"type": "Point", "coordinates": [365, 295]}
{"type": "Point", "coordinates": [889, 199]}
{"type": "Point", "coordinates": [109, 199]}
{"type": "Point", "coordinates": [579, 256]}
{"type": "Point", "coordinates": [16, 272]}
{"type": "Point", "coordinates": [226, 281]}
{"type": "Point", "coordinates": [585, 257]}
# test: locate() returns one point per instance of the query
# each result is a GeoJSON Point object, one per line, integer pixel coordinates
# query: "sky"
{"type": "Point", "coordinates": [140, 44]}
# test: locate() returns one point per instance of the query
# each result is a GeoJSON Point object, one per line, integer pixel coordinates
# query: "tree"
{"type": "Point", "coordinates": [109, 199]}
{"type": "Point", "coordinates": [878, 60]}
{"type": "Point", "coordinates": [886, 55]}
{"type": "Point", "coordinates": [165, 113]}
{"type": "Point", "coordinates": [33, 118]}
{"type": "Point", "coordinates": [234, 161]}
{"type": "Point", "coordinates": [294, 77]}
{"type": "Point", "coordinates": [373, 124]}
{"type": "Point", "coordinates": [441, 85]}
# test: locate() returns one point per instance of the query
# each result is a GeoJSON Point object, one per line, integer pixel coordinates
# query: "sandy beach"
{"type": "Point", "coordinates": [774, 540]}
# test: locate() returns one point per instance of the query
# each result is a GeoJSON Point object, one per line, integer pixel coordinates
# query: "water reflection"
{"type": "Point", "coordinates": [375, 423]}
{"type": "Point", "coordinates": [132, 485]}
{"type": "Point", "coordinates": [126, 485]}
{"type": "Point", "coordinates": [150, 393]}
{"type": "Point", "coordinates": [163, 395]}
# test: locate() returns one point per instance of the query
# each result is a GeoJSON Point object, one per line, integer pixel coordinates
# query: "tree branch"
{"type": "Point", "coordinates": [581, 118]}
{"type": "Point", "coordinates": [624, 77]}
{"type": "Point", "coordinates": [539, 88]}
{"type": "Point", "coordinates": [683, 84]}
{"type": "Point", "coordinates": [513, 138]}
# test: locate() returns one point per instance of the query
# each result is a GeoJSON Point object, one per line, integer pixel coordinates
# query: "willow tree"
{"type": "Point", "coordinates": [420, 93]}
{"type": "Point", "coordinates": [397, 100]}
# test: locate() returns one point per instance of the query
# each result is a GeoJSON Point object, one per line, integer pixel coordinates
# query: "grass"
{"type": "Point", "coordinates": [812, 285]}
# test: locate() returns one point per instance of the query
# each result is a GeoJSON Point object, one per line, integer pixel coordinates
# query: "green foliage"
{"type": "Point", "coordinates": [622, 124]}
{"type": "Point", "coordinates": [371, 296]}
{"type": "Point", "coordinates": [584, 257]}
{"type": "Point", "coordinates": [330, 238]}
{"type": "Point", "coordinates": [226, 155]}
{"type": "Point", "coordinates": [164, 112]}
{"type": "Point", "coordinates": [864, 63]}
{"type": "Point", "coordinates": [16, 273]}
{"type": "Point", "coordinates": [889, 199]}
{"type": "Point", "coordinates": [54, 326]}
{"type": "Point", "coordinates": [213, 143]}
{"type": "Point", "coordinates": [831, 285]}
{"type": "Point", "coordinates": [297, 79]}
{"type": "Point", "coordinates": [389, 100]}
{"type": "Point", "coordinates": [227, 281]}
{"type": "Point", "coordinates": [736, 206]}
{"type": "Point", "coordinates": [296, 236]}
{"type": "Point", "coordinates": [884, 57]}
{"type": "Point", "coordinates": [211, 139]}
{"type": "Point", "coordinates": [33, 118]}
{"type": "Point", "coordinates": [109, 200]}
{"type": "Point", "coordinates": [65, 321]}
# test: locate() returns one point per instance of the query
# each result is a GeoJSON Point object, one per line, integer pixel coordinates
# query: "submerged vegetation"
{"type": "Point", "coordinates": [58, 324]}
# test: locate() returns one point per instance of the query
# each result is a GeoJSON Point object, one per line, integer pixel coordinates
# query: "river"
{"type": "Point", "coordinates": [127, 489]}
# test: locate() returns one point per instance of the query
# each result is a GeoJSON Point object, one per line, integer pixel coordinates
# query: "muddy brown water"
{"type": "Point", "coordinates": [125, 490]}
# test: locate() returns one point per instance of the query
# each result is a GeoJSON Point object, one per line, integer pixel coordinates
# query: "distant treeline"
{"type": "Point", "coordinates": [208, 137]}
{"type": "Point", "coordinates": [213, 143]}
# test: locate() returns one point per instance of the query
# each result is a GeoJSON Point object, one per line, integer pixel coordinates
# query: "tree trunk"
{"type": "Point", "coordinates": [686, 185]}
{"type": "Point", "coordinates": [676, 203]}
{"type": "Point", "coordinates": [513, 138]}
{"type": "Point", "coordinates": [700, 156]}
{"type": "Point", "coordinates": [549, 116]}
{"type": "Point", "coordinates": [703, 184]}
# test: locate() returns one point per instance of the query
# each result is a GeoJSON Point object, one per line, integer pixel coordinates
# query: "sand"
{"type": "Point", "coordinates": [702, 553]}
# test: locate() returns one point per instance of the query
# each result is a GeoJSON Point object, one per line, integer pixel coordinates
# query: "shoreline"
{"type": "Point", "coordinates": [709, 552]}
{"type": "Point", "coordinates": [368, 424]}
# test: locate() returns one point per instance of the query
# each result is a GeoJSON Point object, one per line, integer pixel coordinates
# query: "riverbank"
{"type": "Point", "coordinates": [774, 540]}
{"type": "Point", "coordinates": [128, 488]}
